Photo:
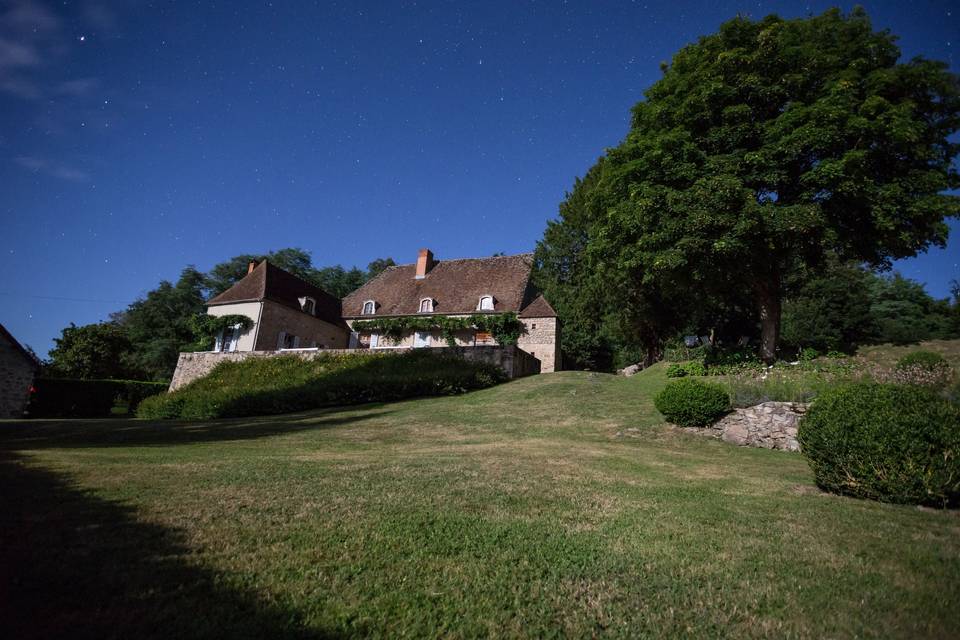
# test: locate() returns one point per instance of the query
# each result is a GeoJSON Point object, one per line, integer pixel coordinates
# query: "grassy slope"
{"type": "Point", "coordinates": [510, 511]}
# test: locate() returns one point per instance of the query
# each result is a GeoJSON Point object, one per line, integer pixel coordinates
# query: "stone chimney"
{"type": "Point", "coordinates": [251, 266]}
{"type": "Point", "coordinates": [424, 263]}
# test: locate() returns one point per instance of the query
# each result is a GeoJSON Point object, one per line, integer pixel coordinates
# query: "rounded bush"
{"type": "Point", "coordinates": [692, 403]}
{"type": "Point", "coordinates": [884, 442]}
{"type": "Point", "coordinates": [676, 370]}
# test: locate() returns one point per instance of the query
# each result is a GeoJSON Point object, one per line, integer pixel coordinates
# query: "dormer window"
{"type": "Point", "coordinates": [369, 308]}
{"type": "Point", "coordinates": [308, 305]}
{"type": "Point", "coordinates": [486, 303]}
{"type": "Point", "coordinates": [426, 305]}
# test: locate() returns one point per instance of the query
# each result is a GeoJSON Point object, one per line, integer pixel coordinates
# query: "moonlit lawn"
{"type": "Point", "coordinates": [516, 510]}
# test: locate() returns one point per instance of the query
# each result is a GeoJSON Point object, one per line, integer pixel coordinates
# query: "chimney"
{"type": "Point", "coordinates": [424, 263]}
{"type": "Point", "coordinates": [251, 266]}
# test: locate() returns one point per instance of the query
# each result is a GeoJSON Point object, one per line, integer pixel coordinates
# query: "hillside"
{"type": "Point", "coordinates": [556, 505]}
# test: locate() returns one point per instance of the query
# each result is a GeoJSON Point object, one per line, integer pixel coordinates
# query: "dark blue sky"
{"type": "Point", "coordinates": [139, 137]}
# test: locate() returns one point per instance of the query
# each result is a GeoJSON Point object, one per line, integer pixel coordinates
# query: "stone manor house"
{"type": "Point", "coordinates": [290, 314]}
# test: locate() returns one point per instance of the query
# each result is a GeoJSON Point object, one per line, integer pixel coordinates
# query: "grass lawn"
{"type": "Point", "coordinates": [513, 511]}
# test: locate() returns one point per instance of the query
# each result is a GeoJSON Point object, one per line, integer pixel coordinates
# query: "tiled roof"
{"type": "Point", "coordinates": [539, 308]}
{"type": "Point", "coordinates": [18, 347]}
{"type": "Point", "coordinates": [267, 282]}
{"type": "Point", "coordinates": [455, 285]}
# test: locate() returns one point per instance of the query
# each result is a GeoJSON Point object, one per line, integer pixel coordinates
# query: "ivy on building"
{"type": "Point", "coordinates": [206, 327]}
{"type": "Point", "coordinates": [505, 328]}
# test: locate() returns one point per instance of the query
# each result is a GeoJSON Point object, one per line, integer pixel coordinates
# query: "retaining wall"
{"type": "Point", "coordinates": [514, 361]}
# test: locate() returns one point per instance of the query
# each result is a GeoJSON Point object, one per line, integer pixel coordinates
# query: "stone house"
{"type": "Point", "coordinates": [289, 313]}
{"type": "Point", "coordinates": [17, 370]}
{"type": "Point", "coordinates": [458, 288]}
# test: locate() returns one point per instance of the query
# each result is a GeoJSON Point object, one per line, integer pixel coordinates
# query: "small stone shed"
{"type": "Point", "coordinates": [17, 369]}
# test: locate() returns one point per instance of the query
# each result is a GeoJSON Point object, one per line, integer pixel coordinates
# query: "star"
{"type": "Point", "coordinates": [83, 38]}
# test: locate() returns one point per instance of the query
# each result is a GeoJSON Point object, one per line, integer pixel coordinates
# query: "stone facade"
{"type": "Point", "coordinates": [770, 425]}
{"type": "Point", "coordinates": [312, 331]}
{"type": "Point", "coordinates": [16, 376]}
{"type": "Point", "coordinates": [542, 341]}
{"type": "Point", "coordinates": [515, 362]}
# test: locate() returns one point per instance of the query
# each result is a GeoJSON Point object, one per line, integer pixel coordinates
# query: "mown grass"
{"type": "Point", "coordinates": [512, 511]}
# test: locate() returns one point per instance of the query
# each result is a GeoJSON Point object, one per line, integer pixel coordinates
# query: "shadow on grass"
{"type": "Point", "coordinates": [39, 434]}
{"type": "Point", "coordinates": [73, 565]}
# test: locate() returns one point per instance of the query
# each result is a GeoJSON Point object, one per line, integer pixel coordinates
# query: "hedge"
{"type": "Point", "coordinates": [692, 403]}
{"type": "Point", "coordinates": [264, 386]}
{"type": "Point", "coordinates": [885, 442]}
{"type": "Point", "coordinates": [70, 398]}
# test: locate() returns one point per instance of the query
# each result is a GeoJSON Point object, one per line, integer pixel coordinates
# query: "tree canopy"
{"type": "Point", "coordinates": [765, 148]}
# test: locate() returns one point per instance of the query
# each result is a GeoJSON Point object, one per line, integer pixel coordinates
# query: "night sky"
{"type": "Point", "coordinates": [139, 137]}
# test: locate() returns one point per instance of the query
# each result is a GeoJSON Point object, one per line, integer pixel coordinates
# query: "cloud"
{"type": "Point", "coordinates": [41, 165]}
{"type": "Point", "coordinates": [78, 87]}
{"type": "Point", "coordinates": [16, 54]}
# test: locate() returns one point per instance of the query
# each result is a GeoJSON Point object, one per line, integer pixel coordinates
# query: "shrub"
{"type": "Point", "coordinates": [884, 442]}
{"type": "Point", "coordinates": [721, 362]}
{"type": "Point", "coordinates": [692, 403]}
{"type": "Point", "coordinates": [924, 368]}
{"type": "Point", "coordinates": [264, 386]}
{"type": "Point", "coordinates": [69, 398]}
{"type": "Point", "coordinates": [682, 369]}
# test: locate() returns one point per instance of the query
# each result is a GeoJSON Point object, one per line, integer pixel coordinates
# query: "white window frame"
{"type": "Point", "coordinates": [313, 305]}
{"type": "Point", "coordinates": [373, 308]}
{"type": "Point", "coordinates": [425, 342]}
{"type": "Point", "coordinates": [374, 340]}
{"type": "Point", "coordinates": [429, 302]}
{"type": "Point", "coordinates": [480, 306]}
{"type": "Point", "coordinates": [232, 343]}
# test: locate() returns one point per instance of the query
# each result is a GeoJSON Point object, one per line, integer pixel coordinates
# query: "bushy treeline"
{"type": "Point", "coordinates": [143, 341]}
{"type": "Point", "coordinates": [265, 386]}
{"type": "Point", "coordinates": [67, 398]}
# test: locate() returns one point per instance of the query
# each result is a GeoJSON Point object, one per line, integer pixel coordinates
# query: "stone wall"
{"type": "Point", "coordinates": [16, 376]}
{"type": "Point", "coordinates": [542, 340]}
{"type": "Point", "coordinates": [515, 362]}
{"type": "Point", "coordinates": [770, 425]}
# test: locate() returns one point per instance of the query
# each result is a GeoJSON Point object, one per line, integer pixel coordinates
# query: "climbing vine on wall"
{"type": "Point", "coordinates": [206, 327]}
{"type": "Point", "coordinates": [505, 328]}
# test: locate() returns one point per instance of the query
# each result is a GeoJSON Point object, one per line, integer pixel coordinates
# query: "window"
{"type": "Point", "coordinates": [308, 305]}
{"type": "Point", "coordinates": [369, 308]}
{"type": "Point", "coordinates": [486, 303]}
{"type": "Point", "coordinates": [426, 305]}
{"type": "Point", "coordinates": [227, 339]}
{"type": "Point", "coordinates": [533, 326]}
{"type": "Point", "coordinates": [482, 337]}
{"type": "Point", "coordinates": [421, 339]}
{"type": "Point", "coordinates": [288, 341]}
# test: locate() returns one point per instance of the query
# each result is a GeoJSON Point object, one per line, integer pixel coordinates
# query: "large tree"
{"type": "Point", "coordinates": [92, 351]}
{"type": "Point", "coordinates": [770, 145]}
{"type": "Point", "coordinates": [158, 324]}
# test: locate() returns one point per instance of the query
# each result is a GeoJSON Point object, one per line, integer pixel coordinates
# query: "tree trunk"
{"type": "Point", "coordinates": [768, 302]}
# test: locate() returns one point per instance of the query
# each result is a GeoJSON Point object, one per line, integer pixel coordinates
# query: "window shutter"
{"type": "Point", "coordinates": [234, 338]}
{"type": "Point", "coordinates": [218, 342]}
{"type": "Point", "coordinates": [296, 342]}
{"type": "Point", "coordinates": [281, 339]}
